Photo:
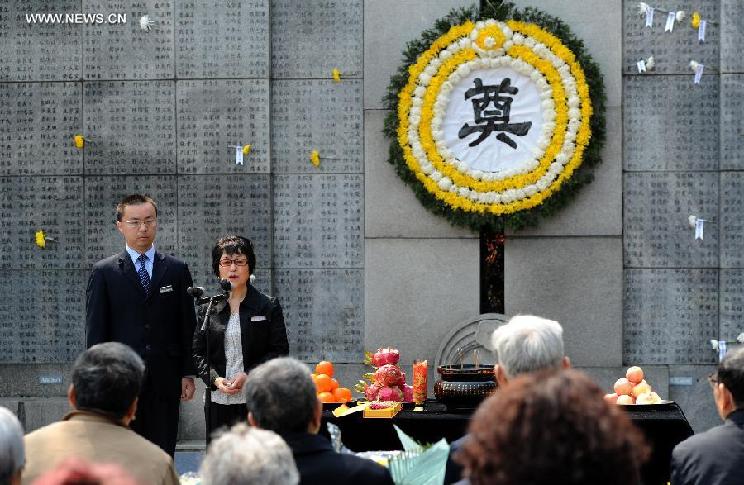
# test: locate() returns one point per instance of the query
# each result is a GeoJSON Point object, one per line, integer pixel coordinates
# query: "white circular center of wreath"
{"type": "Point", "coordinates": [493, 121]}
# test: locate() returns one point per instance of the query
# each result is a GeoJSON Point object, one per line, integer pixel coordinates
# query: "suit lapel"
{"type": "Point", "coordinates": [159, 268]}
{"type": "Point", "coordinates": [127, 268]}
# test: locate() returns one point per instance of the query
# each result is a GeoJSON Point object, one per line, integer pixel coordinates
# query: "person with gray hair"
{"type": "Point", "coordinates": [281, 397]}
{"type": "Point", "coordinates": [106, 381]}
{"type": "Point", "coordinates": [248, 456]}
{"type": "Point", "coordinates": [528, 343]}
{"type": "Point", "coordinates": [523, 345]}
{"type": "Point", "coordinates": [12, 457]}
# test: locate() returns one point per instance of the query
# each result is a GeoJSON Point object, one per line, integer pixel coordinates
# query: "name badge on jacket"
{"type": "Point", "coordinates": [166, 289]}
{"type": "Point", "coordinates": [258, 318]}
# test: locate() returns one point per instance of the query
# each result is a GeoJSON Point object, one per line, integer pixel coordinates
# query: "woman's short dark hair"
{"type": "Point", "coordinates": [233, 245]}
{"type": "Point", "coordinates": [552, 428]}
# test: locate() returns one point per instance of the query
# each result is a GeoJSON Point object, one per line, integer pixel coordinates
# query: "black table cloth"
{"type": "Point", "coordinates": [664, 425]}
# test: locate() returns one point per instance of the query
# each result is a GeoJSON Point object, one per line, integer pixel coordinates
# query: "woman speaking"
{"type": "Point", "coordinates": [244, 330]}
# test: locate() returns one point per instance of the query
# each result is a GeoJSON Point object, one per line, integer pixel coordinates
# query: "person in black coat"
{"type": "Point", "coordinates": [243, 331]}
{"type": "Point", "coordinates": [281, 397]}
{"type": "Point", "coordinates": [716, 457]}
{"type": "Point", "coordinates": [138, 298]}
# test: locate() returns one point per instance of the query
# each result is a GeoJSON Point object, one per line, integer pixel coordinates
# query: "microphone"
{"type": "Point", "coordinates": [195, 291]}
{"type": "Point", "coordinates": [225, 285]}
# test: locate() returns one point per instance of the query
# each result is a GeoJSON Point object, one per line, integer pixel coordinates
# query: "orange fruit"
{"type": "Point", "coordinates": [323, 383]}
{"type": "Point", "coordinates": [326, 397]}
{"type": "Point", "coordinates": [324, 367]}
{"type": "Point", "coordinates": [342, 394]}
{"type": "Point", "coordinates": [334, 384]}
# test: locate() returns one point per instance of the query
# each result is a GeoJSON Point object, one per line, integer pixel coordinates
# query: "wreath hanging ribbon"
{"type": "Point", "coordinates": [492, 119]}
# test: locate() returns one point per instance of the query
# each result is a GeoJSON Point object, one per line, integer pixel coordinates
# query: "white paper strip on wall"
{"type": "Point", "coordinates": [641, 66]}
{"type": "Point", "coordinates": [701, 31]}
{"type": "Point", "coordinates": [698, 73]}
{"type": "Point", "coordinates": [671, 17]}
{"type": "Point", "coordinates": [699, 224]}
{"type": "Point", "coordinates": [238, 155]}
{"type": "Point", "coordinates": [649, 16]}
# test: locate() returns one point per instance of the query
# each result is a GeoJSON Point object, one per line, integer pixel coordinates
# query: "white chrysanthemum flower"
{"type": "Point", "coordinates": [427, 168]}
{"type": "Point", "coordinates": [680, 15]}
{"type": "Point", "coordinates": [508, 45]}
{"type": "Point", "coordinates": [445, 183]}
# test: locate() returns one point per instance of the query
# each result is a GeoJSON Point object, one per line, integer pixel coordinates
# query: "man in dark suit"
{"type": "Point", "coordinates": [138, 298]}
{"type": "Point", "coordinates": [716, 457]}
{"type": "Point", "coordinates": [281, 397]}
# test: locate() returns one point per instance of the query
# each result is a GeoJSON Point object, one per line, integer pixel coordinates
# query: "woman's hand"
{"type": "Point", "coordinates": [237, 382]}
{"type": "Point", "coordinates": [225, 385]}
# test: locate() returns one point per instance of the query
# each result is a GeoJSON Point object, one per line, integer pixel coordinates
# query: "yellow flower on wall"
{"type": "Point", "coordinates": [315, 158]}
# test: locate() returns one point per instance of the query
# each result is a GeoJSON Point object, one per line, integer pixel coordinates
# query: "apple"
{"type": "Point", "coordinates": [611, 397]}
{"type": "Point", "coordinates": [634, 374]}
{"type": "Point", "coordinates": [641, 388]}
{"type": "Point", "coordinates": [624, 399]}
{"type": "Point", "coordinates": [623, 387]}
{"type": "Point", "coordinates": [648, 398]}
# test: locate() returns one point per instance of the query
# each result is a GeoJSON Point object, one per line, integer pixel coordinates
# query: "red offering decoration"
{"type": "Point", "coordinates": [420, 371]}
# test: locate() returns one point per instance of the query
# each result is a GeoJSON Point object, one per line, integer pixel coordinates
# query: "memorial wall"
{"type": "Point", "coordinates": [160, 108]}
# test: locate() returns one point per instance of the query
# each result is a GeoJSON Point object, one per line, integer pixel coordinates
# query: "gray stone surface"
{"type": "Point", "coordinates": [316, 114]}
{"type": "Point", "coordinates": [656, 226]}
{"type": "Point", "coordinates": [731, 214]}
{"type": "Point", "coordinates": [670, 315]}
{"type": "Point", "coordinates": [597, 208]}
{"type": "Point", "coordinates": [191, 424]}
{"type": "Point", "coordinates": [216, 115]}
{"type": "Point", "coordinates": [102, 239]}
{"type": "Point", "coordinates": [311, 38]}
{"type": "Point", "coordinates": [39, 120]}
{"type": "Point", "coordinates": [732, 122]}
{"type": "Point", "coordinates": [732, 35]}
{"type": "Point", "coordinates": [318, 221]}
{"type": "Point", "coordinates": [577, 281]}
{"type": "Point", "coordinates": [123, 50]}
{"type": "Point", "coordinates": [670, 123]}
{"type": "Point", "coordinates": [730, 303]}
{"type": "Point", "coordinates": [323, 311]}
{"type": "Point", "coordinates": [43, 411]}
{"type": "Point", "coordinates": [51, 204]}
{"type": "Point", "coordinates": [222, 40]}
{"type": "Point", "coordinates": [45, 380]}
{"type": "Point", "coordinates": [416, 290]}
{"type": "Point", "coordinates": [42, 318]}
{"type": "Point", "coordinates": [391, 208]}
{"type": "Point", "coordinates": [39, 51]}
{"type": "Point", "coordinates": [602, 34]}
{"type": "Point", "coordinates": [213, 206]}
{"type": "Point", "coordinates": [657, 376]}
{"type": "Point", "coordinates": [696, 400]}
{"type": "Point", "coordinates": [671, 50]}
{"type": "Point", "coordinates": [388, 26]}
{"type": "Point", "coordinates": [133, 126]}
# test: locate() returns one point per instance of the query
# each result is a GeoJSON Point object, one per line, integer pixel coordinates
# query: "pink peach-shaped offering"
{"type": "Point", "coordinates": [641, 388]}
{"type": "Point", "coordinates": [611, 398]}
{"type": "Point", "coordinates": [623, 387]}
{"type": "Point", "coordinates": [624, 399]}
{"type": "Point", "coordinates": [634, 374]}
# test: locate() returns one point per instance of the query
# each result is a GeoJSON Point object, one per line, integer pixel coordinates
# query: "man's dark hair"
{"type": "Point", "coordinates": [133, 199]}
{"type": "Point", "coordinates": [233, 245]}
{"type": "Point", "coordinates": [281, 396]}
{"type": "Point", "coordinates": [107, 377]}
{"type": "Point", "coordinates": [731, 375]}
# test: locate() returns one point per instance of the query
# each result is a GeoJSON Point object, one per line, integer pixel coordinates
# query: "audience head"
{"type": "Point", "coordinates": [281, 397]}
{"type": "Point", "coordinates": [549, 425]}
{"type": "Point", "coordinates": [249, 456]}
{"type": "Point", "coordinates": [107, 378]}
{"type": "Point", "coordinates": [728, 383]}
{"type": "Point", "coordinates": [12, 456]}
{"type": "Point", "coordinates": [527, 343]}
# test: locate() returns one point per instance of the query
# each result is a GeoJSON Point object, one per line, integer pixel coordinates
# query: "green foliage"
{"type": "Point", "coordinates": [502, 11]}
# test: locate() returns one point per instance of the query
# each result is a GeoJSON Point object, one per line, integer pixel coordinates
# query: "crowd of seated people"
{"type": "Point", "coordinates": [545, 424]}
